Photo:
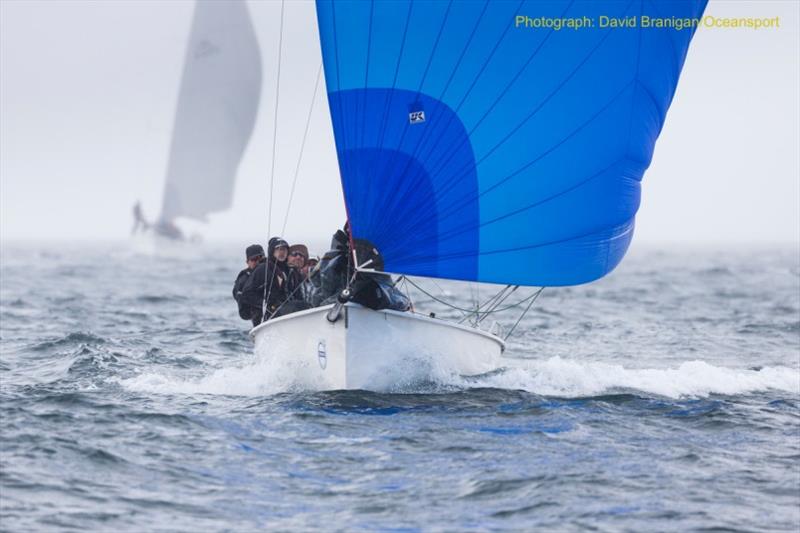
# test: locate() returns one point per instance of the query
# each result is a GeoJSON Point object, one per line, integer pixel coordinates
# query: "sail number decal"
{"type": "Point", "coordinates": [416, 117]}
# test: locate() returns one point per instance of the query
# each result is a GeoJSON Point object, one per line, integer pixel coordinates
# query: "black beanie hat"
{"type": "Point", "coordinates": [277, 243]}
{"type": "Point", "coordinates": [253, 250]}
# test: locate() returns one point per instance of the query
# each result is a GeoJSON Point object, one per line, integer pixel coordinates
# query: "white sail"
{"type": "Point", "coordinates": [216, 111]}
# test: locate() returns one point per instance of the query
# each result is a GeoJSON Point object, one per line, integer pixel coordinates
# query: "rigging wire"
{"type": "Point", "coordinates": [472, 311]}
{"type": "Point", "coordinates": [499, 302]}
{"type": "Point", "coordinates": [302, 147]}
{"type": "Point", "coordinates": [477, 299]}
{"type": "Point", "coordinates": [404, 279]}
{"type": "Point", "coordinates": [289, 296]}
{"type": "Point", "coordinates": [268, 292]}
{"type": "Point", "coordinates": [405, 289]}
{"type": "Point", "coordinates": [275, 121]}
{"type": "Point", "coordinates": [477, 305]}
{"type": "Point", "coordinates": [525, 312]}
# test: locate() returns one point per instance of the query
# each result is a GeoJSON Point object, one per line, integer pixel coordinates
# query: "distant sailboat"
{"type": "Point", "coordinates": [473, 149]}
{"type": "Point", "coordinates": [216, 112]}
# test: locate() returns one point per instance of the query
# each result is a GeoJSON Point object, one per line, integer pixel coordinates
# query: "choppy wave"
{"type": "Point", "coordinates": [665, 396]}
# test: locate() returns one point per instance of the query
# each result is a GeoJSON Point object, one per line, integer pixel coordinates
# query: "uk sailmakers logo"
{"type": "Point", "coordinates": [416, 113]}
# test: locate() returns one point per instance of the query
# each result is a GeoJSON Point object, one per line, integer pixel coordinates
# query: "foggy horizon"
{"type": "Point", "coordinates": [85, 129]}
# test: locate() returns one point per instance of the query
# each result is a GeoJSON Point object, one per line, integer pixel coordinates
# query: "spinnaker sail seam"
{"type": "Point", "coordinates": [414, 180]}
{"type": "Point", "coordinates": [454, 207]}
{"type": "Point", "coordinates": [635, 79]}
{"type": "Point", "coordinates": [421, 83]}
{"type": "Point", "coordinates": [676, 61]}
{"type": "Point", "coordinates": [439, 165]}
{"type": "Point", "coordinates": [361, 100]}
{"type": "Point", "coordinates": [420, 260]}
{"type": "Point", "coordinates": [399, 199]}
{"type": "Point", "coordinates": [447, 155]}
{"type": "Point", "coordinates": [390, 95]}
{"type": "Point", "coordinates": [453, 233]}
{"type": "Point", "coordinates": [341, 144]}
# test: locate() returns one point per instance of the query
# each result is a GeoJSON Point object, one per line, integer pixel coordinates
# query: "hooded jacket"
{"type": "Point", "coordinates": [269, 278]}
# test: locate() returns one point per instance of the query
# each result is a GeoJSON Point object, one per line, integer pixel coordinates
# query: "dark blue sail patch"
{"type": "Point", "coordinates": [471, 149]}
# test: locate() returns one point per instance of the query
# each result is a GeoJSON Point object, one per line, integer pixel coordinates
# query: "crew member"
{"type": "Point", "coordinates": [370, 289]}
{"type": "Point", "coordinates": [254, 254]}
{"type": "Point", "coordinates": [139, 222]}
{"type": "Point", "coordinates": [298, 254]}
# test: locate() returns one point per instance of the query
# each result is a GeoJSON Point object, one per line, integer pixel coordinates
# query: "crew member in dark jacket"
{"type": "Point", "coordinates": [267, 282]}
{"type": "Point", "coordinates": [375, 290]}
{"type": "Point", "coordinates": [272, 280]}
{"type": "Point", "coordinates": [254, 254]}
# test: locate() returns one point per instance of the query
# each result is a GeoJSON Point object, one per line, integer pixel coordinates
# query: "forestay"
{"type": "Point", "coordinates": [216, 110]}
{"type": "Point", "coordinates": [474, 148]}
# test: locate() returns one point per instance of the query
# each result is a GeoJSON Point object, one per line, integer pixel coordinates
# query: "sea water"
{"type": "Point", "coordinates": [663, 397]}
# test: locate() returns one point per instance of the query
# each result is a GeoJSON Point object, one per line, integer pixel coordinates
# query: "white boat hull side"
{"type": "Point", "coordinates": [373, 350]}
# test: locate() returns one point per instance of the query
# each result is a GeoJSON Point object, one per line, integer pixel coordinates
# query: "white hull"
{"type": "Point", "coordinates": [374, 350]}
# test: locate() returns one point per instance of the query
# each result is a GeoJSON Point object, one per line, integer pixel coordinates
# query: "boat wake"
{"type": "Point", "coordinates": [569, 378]}
{"type": "Point", "coordinates": [556, 376]}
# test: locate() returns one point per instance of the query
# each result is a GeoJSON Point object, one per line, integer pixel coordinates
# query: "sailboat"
{"type": "Point", "coordinates": [476, 147]}
{"type": "Point", "coordinates": [216, 111]}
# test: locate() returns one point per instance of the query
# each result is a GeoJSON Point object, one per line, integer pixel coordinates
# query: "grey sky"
{"type": "Point", "coordinates": [88, 90]}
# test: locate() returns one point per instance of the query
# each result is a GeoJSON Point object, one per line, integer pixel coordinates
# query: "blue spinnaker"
{"type": "Point", "coordinates": [493, 140]}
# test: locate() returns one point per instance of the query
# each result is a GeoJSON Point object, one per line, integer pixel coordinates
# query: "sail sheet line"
{"type": "Point", "coordinates": [268, 292]}
{"type": "Point", "coordinates": [491, 300]}
{"type": "Point", "coordinates": [275, 122]}
{"type": "Point", "coordinates": [473, 311]}
{"type": "Point", "coordinates": [499, 302]}
{"type": "Point", "coordinates": [302, 147]}
{"type": "Point", "coordinates": [525, 312]}
{"type": "Point", "coordinates": [479, 306]}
